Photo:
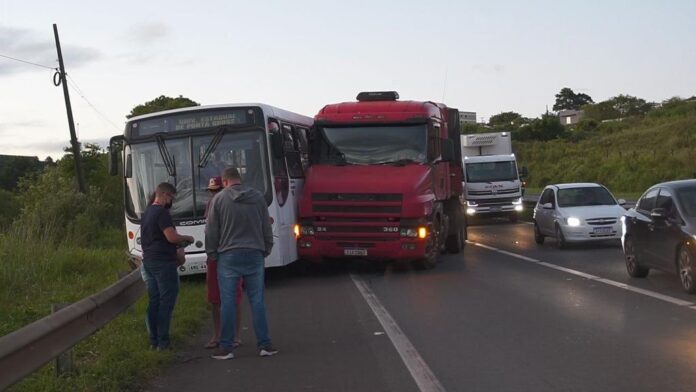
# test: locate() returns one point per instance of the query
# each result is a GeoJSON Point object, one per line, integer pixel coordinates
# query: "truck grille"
{"type": "Point", "coordinates": [495, 202]}
{"type": "Point", "coordinates": [490, 192]}
{"type": "Point", "coordinates": [353, 217]}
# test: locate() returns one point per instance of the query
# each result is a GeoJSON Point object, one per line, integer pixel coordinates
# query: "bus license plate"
{"type": "Point", "coordinates": [354, 252]}
{"type": "Point", "coordinates": [602, 230]}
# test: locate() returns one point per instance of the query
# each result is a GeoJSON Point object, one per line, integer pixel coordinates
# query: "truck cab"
{"type": "Point", "coordinates": [384, 182]}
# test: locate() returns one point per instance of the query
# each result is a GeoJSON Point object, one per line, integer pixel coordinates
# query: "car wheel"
{"type": "Point", "coordinates": [560, 239]}
{"type": "Point", "coordinates": [635, 270]}
{"type": "Point", "coordinates": [538, 237]}
{"type": "Point", "coordinates": [687, 272]}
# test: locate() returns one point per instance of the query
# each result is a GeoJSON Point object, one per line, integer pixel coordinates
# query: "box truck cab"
{"type": "Point", "coordinates": [491, 183]}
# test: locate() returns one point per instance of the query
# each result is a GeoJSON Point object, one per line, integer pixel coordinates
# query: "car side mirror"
{"type": "Point", "coordinates": [547, 206]}
{"type": "Point", "coordinates": [658, 214]}
{"type": "Point", "coordinates": [621, 202]}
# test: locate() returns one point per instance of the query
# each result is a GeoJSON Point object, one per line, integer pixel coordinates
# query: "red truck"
{"type": "Point", "coordinates": [384, 182]}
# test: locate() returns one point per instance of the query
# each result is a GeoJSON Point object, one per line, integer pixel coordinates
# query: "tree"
{"type": "Point", "coordinates": [504, 119]}
{"type": "Point", "coordinates": [162, 103]}
{"type": "Point", "coordinates": [617, 107]}
{"type": "Point", "coordinates": [568, 99]}
{"type": "Point", "coordinates": [548, 127]}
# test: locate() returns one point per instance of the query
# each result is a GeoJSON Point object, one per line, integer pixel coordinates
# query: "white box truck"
{"type": "Point", "coordinates": [492, 184]}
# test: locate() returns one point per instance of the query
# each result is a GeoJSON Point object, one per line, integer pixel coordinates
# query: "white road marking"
{"type": "Point", "coordinates": [420, 371]}
{"type": "Point", "coordinates": [648, 293]}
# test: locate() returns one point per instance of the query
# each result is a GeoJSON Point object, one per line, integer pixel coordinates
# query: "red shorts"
{"type": "Point", "coordinates": [211, 281]}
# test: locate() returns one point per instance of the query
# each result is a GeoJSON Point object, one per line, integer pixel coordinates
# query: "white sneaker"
{"type": "Point", "coordinates": [268, 351]}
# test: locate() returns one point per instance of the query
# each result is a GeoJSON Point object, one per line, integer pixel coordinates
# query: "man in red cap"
{"type": "Point", "coordinates": [213, 289]}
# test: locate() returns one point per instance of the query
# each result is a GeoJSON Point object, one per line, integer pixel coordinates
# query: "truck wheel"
{"type": "Point", "coordinates": [432, 249]}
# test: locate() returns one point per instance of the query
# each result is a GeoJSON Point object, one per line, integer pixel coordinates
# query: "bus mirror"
{"type": "Point", "coordinates": [112, 163]}
{"type": "Point", "coordinates": [447, 150]}
{"type": "Point", "coordinates": [112, 155]}
{"type": "Point", "coordinates": [277, 145]}
{"type": "Point", "coordinates": [129, 167]}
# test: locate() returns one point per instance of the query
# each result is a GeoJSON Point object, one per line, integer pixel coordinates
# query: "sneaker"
{"type": "Point", "coordinates": [222, 353]}
{"type": "Point", "coordinates": [268, 351]}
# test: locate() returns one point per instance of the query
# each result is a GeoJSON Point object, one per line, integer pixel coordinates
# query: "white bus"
{"type": "Point", "coordinates": [186, 147]}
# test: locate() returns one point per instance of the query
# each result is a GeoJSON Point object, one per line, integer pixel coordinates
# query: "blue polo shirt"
{"type": "Point", "coordinates": [155, 245]}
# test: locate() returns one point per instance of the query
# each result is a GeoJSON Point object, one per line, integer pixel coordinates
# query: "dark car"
{"type": "Point", "coordinates": [659, 232]}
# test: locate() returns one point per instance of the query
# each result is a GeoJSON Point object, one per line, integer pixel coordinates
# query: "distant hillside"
{"type": "Point", "coordinates": [626, 155]}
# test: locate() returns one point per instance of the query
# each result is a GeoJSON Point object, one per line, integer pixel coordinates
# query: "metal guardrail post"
{"type": "Point", "coordinates": [27, 349]}
{"type": "Point", "coordinates": [64, 362]}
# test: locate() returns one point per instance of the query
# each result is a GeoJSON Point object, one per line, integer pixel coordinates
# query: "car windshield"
{"type": "Point", "coordinates": [585, 196]}
{"type": "Point", "coordinates": [687, 200]}
{"type": "Point", "coordinates": [243, 150]}
{"type": "Point", "coordinates": [491, 171]}
{"type": "Point", "coordinates": [375, 145]}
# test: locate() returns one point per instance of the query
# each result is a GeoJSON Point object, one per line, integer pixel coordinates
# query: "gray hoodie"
{"type": "Point", "coordinates": [238, 219]}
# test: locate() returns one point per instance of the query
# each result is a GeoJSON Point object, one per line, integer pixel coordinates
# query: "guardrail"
{"type": "Point", "coordinates": [27, 349]}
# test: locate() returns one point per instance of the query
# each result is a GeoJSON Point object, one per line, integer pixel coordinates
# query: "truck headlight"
{"type": "Point", "coordinates": [573, 221]}
{"type": "Point", "coordinates": [307, 230]}
{"type": "Point", "coordinates": [470, 211]}
{"type": "Point", "coordinates": [517, 202]}
{"type": "Point", "coordinates": [470, 203]}
{"type": "Point", "coordinates": [408, 232]}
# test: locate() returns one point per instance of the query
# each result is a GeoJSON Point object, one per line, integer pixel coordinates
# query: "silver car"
{"type": "Point", "coordinates": [577, 212]}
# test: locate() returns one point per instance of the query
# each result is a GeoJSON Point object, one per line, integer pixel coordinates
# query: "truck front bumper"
{"type": "Point", "coordinates": [315, 249]}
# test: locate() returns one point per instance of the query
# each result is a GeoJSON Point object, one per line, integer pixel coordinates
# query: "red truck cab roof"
{"type": "Point", "coordinates": [386, 111]}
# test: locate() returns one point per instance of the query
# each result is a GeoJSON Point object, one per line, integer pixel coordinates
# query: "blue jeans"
{"type": "Point", "coordinates": [247, 264]}
{"type": "Point", "coordinates": [162, 282]}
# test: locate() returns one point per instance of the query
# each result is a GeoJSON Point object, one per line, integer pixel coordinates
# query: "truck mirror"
{"type": "Point", "coordinates": [447, 150]}
{"type": "Point", "coordinates": [524, 172]}
{"type": "Point", "coordinates": [277, 145]}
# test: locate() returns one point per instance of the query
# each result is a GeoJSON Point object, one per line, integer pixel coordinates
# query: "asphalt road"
{"type": "Point", "coordinates": [504, 315]}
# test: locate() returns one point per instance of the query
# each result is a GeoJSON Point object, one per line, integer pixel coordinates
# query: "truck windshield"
{"type": "Point", "coordinates": [243, 150]}
{"type": "Point", "coordinates": [586, 196]}
{"type": "Point", "coordinates": [491, 171]}
{"type": "Point", "coordinates": [372, 145]}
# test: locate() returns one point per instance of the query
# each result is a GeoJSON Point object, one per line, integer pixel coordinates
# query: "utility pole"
{"type": "Point", "coordinates": [73, 137]}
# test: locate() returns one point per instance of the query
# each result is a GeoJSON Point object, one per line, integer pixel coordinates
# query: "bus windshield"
{"type": "Point", "coordinates": [374, 145]}
{"type": "Point", "coordinates": [491, 171]}
{"type": "Point", "coordinates": [243, 150]}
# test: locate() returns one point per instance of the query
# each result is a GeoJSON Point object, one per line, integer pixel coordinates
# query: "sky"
{"type": "Point", "coordinates": [488, 57]}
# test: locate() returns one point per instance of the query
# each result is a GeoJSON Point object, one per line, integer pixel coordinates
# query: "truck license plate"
{"type": "Point", "coordinates": [602, 230]}
{"type": "Point", "coordinates": [354, 252]}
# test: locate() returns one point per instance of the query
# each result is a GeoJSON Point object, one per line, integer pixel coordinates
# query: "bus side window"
{"type": "Point", "coordinates": [292, 155]}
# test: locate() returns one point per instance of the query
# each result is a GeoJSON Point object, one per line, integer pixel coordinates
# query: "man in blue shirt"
{"type": "Point", "coordinates": [159, 240]}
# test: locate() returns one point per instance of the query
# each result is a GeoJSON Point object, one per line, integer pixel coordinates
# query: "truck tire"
{"type": "Point", "coordinates": [432, 249]}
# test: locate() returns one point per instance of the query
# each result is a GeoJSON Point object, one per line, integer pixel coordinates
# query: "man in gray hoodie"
{"type": "Point", "coordinates": [239, 236]}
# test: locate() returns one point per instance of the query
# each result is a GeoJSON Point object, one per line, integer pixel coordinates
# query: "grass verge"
{"type": "Point", "coordinates": [117, 357]}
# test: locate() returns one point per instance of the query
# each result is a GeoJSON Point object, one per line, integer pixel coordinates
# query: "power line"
{"type": "Point", "coordinates": [79, 92]}
{"type": "Point", "coordinates": [27, 62]}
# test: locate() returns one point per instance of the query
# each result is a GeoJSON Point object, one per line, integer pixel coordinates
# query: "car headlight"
{"type": "Point", "coordinates": [573, 221]}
